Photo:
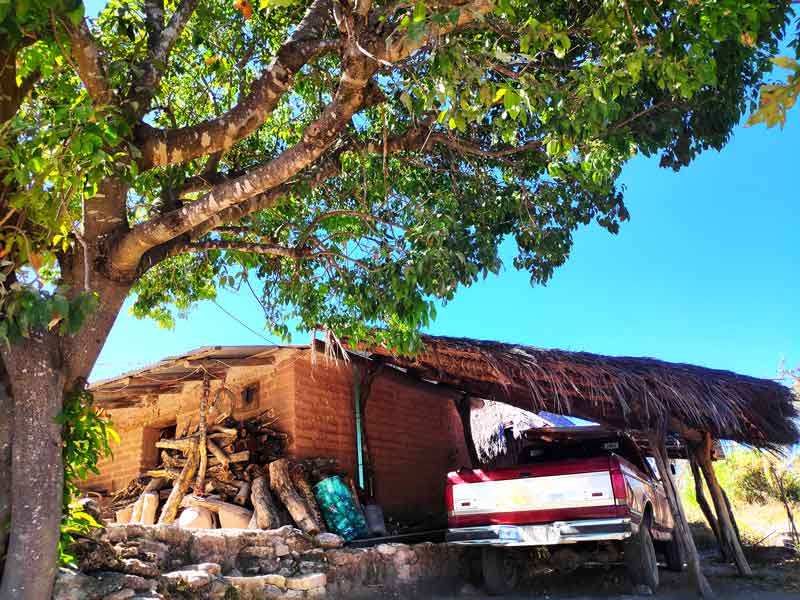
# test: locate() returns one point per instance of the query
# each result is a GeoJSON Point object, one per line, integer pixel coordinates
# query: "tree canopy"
{"type": "Point", "coordinates": [360, 160]}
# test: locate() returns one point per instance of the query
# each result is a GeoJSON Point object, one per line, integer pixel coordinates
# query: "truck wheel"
{"type": "Point", "coordinates": [500, 571]}
{"type": "Point", "coordinates": [640, 558]}
{"type": "Point", "coordinates": [674, 555]}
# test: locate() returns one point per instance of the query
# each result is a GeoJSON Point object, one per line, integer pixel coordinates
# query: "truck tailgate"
{"type": "Point", "coordinates": [553, 491]}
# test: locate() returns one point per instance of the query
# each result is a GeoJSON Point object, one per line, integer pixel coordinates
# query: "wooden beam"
{"type": "Point", "coordinates": [702, 454]}
{"type": "Point", "coordinates": [704, 506]}
{"type": "Point", "coordinates": [681, 525]}
{"type": "Point", "coordinates": [224, 363]}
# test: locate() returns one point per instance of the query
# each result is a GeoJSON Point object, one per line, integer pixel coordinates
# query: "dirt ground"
{"type": "Point", "coordinates": [776, 576]}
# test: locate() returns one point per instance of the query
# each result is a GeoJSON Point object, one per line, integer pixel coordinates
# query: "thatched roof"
{"type": "Point", "coordinates": [620, 392]}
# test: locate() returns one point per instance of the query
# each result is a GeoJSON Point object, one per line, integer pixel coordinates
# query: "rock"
{"type": "Point", "coordinates": [125, 594]}
{"type": "Point", "coordinates": [208, 567]}
{"type": "Point", "coordinates": [469, 590]}
{"type": "Point", "coordinates": [196, 518]}
{"type": "Point", "coordinates": [329, 541]}
{"type": "Point", "coordinates": [306, 582]}
{"type": "Point", "coordinates": [92, 508]}
{"type": "Point", "coordinates": [318, 592]}
{"type": "Point", "coordinates": [258, 586]}
{"type": "Point", "coordinates": [387, 549]}
{"type": "Point", "coordinates": [134, 566]}
{"type": "Point", "coordinates": [281, 550]}
{"type": "Point", "coordinates": [193, 580]}
{"type": "Point", "coordinates": [643, 590]}
{"type": "Point", "coordinates": [257, 552]}
{"type": "Point", "coordinates": [73, 585]}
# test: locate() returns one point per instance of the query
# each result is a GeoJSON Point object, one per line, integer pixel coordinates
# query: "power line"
{"type": "Point", "coordinates": [243, 324]}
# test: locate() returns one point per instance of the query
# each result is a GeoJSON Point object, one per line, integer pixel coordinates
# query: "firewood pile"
{"type": "Point", "coordinates": [227, 474]}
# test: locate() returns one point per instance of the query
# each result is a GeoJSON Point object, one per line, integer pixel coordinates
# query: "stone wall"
{"type": "Point", "coordinates": [164, 561]}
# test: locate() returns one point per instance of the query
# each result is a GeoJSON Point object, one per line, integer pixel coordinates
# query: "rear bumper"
{"type": "Point", "coordinates": [547, 534]}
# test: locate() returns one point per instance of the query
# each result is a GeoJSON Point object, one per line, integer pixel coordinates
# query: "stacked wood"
{"type": "Point", "coordinates": [247, 482]}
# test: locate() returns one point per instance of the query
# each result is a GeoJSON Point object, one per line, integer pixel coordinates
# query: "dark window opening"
{"type": "Point", "coordinates": [249, 397]}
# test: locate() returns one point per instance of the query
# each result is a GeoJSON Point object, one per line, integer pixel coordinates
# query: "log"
{"type": "Point", "coordinates": [281, 484]}
{"type": "Point", "coordinates": [183, 444]}
{"type": "Point", "coordinates": [218, 453]}
{"type": "Point", "coordinates": [265, 513]}
{"type": "Point", "coordinates": [228, 431]}
{"type": "Point", "coordinates": [236, 457]}
{"type": "Point", "coordinates": [180, 487]}
{"type": "Point", "coordinates": [136, 513]}
{"type": "Point", "coordinates": [171, 474]}
{"type": "Point", "coordinates": [202, 447]}
{"type": "Point", "coordinates": [149, 507]}
{"type": "Point", "coordinates": [123, 515]}
{"type": "Point", "coordinates": [702, 454]}
{"type": "Point", "coordinates": [230, 515]}
{"type": "Point", "coordinates": [215, 485]}
{"type": "Point", "coordinates": [681, 525]}
{"type": "Point", "coordinates": [301, 484]}
{"type": "Point", "coordinates": [155, 484]}
{"type": "Point", "coordinates": [243, 494]}
{"type": "Point", "coordinates": [704, 506]}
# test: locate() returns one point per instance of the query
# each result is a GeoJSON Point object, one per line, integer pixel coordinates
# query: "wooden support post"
{"type": "Point", "coordinates": [704, 506]}
{"type": "Point", "coordinates": [200, 484]}
{"type": "Point", "coordinates": [681, 525]}
{"type": "Point", "coordinates": [702, 454]}
{"type": "Point", "coordinates": [180, 487]}
{"type": "Point", "coordinates": [464, 409]}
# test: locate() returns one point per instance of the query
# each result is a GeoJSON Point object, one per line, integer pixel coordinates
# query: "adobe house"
{"type": "Point", "coordinates": [415, 432]}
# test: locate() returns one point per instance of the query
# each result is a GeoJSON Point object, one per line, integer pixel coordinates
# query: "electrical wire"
{"type": "Point", "coordinates": [245, 325]}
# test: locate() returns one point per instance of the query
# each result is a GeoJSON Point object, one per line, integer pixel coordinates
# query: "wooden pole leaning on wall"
{"type": "Point", "coordinates": [730, 540]}
{"type": "Point", "coordinates": [657, 441]}
{"type": "Point", "coordinates": [200, 484]}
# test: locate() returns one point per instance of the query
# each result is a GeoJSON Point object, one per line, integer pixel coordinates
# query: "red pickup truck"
{"type": "Point", "coordinates": [586, 493]}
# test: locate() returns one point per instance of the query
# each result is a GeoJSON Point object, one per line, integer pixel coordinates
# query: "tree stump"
{"type": "Point", "coordinates": [300, 481]}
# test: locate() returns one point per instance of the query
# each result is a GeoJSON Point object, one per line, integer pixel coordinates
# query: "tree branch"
{"type": "Point", "coordinates": [90, 66]}
{"type": "Point", "coordinates": [352, 94]}
{"type": "Point", "coordinates": [252, 248]}
{"type": "Point", "coordinates": [160, 42]}
{"type": "Point", "coordinates": [170, 146]}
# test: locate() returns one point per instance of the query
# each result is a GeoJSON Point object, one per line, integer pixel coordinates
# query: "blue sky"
{"type": "Point", "coordinates": [706, 272]}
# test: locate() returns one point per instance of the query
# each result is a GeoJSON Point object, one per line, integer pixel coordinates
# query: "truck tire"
{"type": "Point", "coordinates": [640, 558]}
{"type": "Point", "coordinates": [674, 555]}
{"type": "Point", "coordinates": [500, 571]}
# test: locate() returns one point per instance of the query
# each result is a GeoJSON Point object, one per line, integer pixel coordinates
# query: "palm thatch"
{"type": "Point", "coordinates": [620, 392]}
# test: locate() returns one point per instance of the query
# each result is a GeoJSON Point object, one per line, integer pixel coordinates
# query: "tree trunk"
{"type": "Point", "coordinates": [464, 408]}
{"type": "Point", "coordinates": [681, 525]}
{"type": "Point", "coordinates": [37, 471]}
{"type": "Point", "coordinates": [702, 454]}
{"type": "Point", "coordinates": [281, 483]}
{"type": "Point", "coordinates": [200, 484]}
{"type": "Point", "coordinates": [6, 415]}
{"type": "Point", "coordinates": [704, 506]}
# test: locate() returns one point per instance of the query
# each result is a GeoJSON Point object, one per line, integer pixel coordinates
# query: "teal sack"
{"type": "Point", "coordinates": [339, 510]}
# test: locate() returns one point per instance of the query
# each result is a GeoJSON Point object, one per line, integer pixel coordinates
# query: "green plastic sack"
{"type": "Point", "coordinates": [339, 510]}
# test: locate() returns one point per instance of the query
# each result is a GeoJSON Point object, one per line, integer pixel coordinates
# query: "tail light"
{"type": "Point", "coordinates": [448, 498]}
{"type": "Point", "coordinates": [618, 484]}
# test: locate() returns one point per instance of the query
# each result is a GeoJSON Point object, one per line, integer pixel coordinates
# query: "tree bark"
{"type": "Point", "coordinates": [702, 454]}
{"type": "Point", "coordinates": [681, 525]}
{"type": "Point", "coordinates": [281, 484]}
{"type": "Point", "coordinates": [265, 514]}
{"type": "Point", "coordinates": [704, 506]}
{"type": "Point", "coordinates": [301, 484]}
{"type": "Point", "coordinates": [6, 415]}
{"type": "Point", "coordinates": [37, 473]}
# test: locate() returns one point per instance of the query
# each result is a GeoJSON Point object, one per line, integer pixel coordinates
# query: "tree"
{"type": "Point", "coordinates": [777, 98]}
{"type": "Point", "coordinates": [358, 159]}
